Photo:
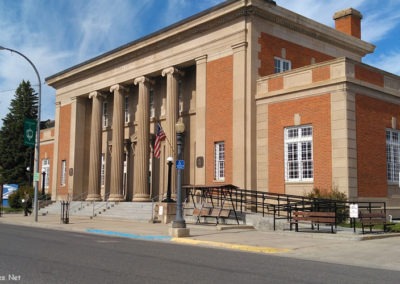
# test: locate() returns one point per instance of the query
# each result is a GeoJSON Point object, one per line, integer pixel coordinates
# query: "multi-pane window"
{"type": "Point", "coordinates": [103, 170]}
{"type": "Point", "coordinates": [392, 155]}
{"type": "Point", "coordinates": [105, 114]}
{"type": "Point", "coordinates": [46, 170]}
{"type": "Point", "coordinates": [219, 161]}
{"type": "Point", "coordinates": [180, 96]}
{"type": "Point", "coordinates": [151, 103]}
{"type": "Point", "coordinates": [127, 114]}
{"type": "Point", "coordinates": [63, 178]}
{"type": "Point", "coordinates": [299, 165]}
{"type": "Point", "coordinates": [281, 65]}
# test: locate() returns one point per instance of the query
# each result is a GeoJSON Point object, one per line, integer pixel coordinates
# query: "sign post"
{"type": "Point", "coordinates": [354, 214]}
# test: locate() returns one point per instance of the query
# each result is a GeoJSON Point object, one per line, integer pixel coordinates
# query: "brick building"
{"type": "Point", "coordinates": [270, 100]}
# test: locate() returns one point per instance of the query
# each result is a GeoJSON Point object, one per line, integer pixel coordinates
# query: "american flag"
{"type": "Point", "coordinates": [160, 136]}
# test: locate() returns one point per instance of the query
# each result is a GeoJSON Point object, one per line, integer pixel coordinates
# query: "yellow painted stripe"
{"type": "Point", "coordinates": [267, 250]}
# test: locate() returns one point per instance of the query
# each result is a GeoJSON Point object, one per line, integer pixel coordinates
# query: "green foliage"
{"type": "Point", "coordinates": [333, 194]}
{"type": "Point", "coordinates": [15, 198]}
{"type": "Point", "coordinates": [394, 228]}
{"type": "Point", "coordinates": [15, 157]}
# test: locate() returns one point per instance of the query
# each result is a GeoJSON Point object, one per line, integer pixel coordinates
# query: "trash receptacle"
{"type": "Point", "coordinates": [65, 212]}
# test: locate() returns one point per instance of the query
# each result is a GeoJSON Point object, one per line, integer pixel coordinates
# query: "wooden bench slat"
{"type": "Point", "coordinates": [313, 217]}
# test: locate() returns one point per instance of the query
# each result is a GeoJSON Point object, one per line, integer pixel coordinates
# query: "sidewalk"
{"type": "Point", "coordinates": [345, 247]}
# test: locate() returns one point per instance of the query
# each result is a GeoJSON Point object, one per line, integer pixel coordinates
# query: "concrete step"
{"type": "Point", "coordinates": [138, 211]}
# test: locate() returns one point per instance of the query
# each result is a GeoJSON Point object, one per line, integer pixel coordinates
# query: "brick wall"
{"type": "Point", "coordinates": [300, 56]}
{"type": "Point", "coordinates": [368, 75]}
{"type": "Point", "coordinates": [219, 114]}
{"type": "Point", "coordinates": [314, 111]}
{"type": "Point", "coordinates": [373, 116]}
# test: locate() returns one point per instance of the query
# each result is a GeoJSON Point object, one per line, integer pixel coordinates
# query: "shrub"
{"type": "Point", "coordinates": [15, 198]}
{"type": "Point", "coordinates": [333, 194]}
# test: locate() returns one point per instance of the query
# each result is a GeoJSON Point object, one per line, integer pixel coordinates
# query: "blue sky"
{"type": "Point", "coordinates": [58, 34]}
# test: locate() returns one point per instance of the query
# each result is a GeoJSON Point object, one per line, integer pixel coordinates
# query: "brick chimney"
{"type": "Point", "coordinates": [348, 21]}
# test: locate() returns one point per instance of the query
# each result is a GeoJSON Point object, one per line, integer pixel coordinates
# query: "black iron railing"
{"type": "Point", "coordinates": [278, 205]}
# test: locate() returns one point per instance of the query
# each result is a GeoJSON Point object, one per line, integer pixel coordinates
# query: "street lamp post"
{"type": "Point", "coordinates": [43, 182]}
{"type": "Point", "coordinates": [37, 143]}
{"type": "Point", "coordinates": [179, 220]}
{"type": "Point", "coordinates": [169, 163]}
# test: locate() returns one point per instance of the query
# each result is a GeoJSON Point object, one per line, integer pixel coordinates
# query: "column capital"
{"type": "Point", "coordinates": [96, 95]}
{"type": "Point", "coordinates": [239, 46]}
{"type": "Point", "coordinates": [172, 71]}
{"type": "Point", "coordinates": [201, 59]}
{"type": "Point", "coordinates": [117, 88]}
{"type": "Point", "coordinates": [143, 80]}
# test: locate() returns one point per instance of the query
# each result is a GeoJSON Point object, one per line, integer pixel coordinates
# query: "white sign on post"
{"type": "Point", "coordinates": [353, 210]}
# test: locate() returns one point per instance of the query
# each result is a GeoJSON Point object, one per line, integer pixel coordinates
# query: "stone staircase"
{"type": "Point", "coordinates": [135, 211]}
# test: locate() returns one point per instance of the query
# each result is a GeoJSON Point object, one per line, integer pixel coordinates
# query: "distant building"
{"type": "Point", "coordinates": [271, 101]}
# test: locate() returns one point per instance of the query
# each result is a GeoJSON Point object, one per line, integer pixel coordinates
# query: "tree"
{"type": "Point", "coordinates": [15, 157]}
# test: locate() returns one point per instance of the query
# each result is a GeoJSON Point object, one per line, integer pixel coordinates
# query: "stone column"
{"type": "Point", "coordinates": [142, 155]}
{"type": "Point", "coordinates": [95, 147]}
{"type": "Point", "coordinates": [117, 151]}
{"type": "Point", "coordinates": [201, 94]}
{"type": "Point", "coordinates": [240, 135]}
{"type": "Point", "coordinates": [171, 114]}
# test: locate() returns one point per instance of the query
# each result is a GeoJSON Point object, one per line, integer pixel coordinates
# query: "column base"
{"type": "Point", "coordinates": [93, 197]}
{"type": "Point", "coordinates": [116, 197]}
{"type": "Point", "coordinates": [179, 232]}
{"type": "Point", "coordinates": [141, 198]}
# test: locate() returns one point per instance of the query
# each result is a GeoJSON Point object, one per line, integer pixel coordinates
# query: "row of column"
{"type": "Point", "coordinates": [141, 186]}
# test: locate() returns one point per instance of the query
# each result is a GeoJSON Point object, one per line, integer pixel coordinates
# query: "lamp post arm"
{"type": "Point", "coordinates": [37, 143]}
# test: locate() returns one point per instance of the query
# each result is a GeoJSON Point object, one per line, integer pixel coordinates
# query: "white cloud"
{"type": "Point", "coordinates": [387, 62]}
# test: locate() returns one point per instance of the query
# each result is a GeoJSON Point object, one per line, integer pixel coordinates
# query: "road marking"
{"type": "Point", "coordinates": [128, 235]}
{"type": "Point", "coordinates": [267, 250]}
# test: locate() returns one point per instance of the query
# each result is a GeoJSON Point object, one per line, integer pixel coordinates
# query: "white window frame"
{"type": "Point", "coordinates": [46, 169]}
{"type": "Point", "coordinates": [281, 65]}
{"type": "Point", "coordinates": [151, 104]}
{"type": "Point", "coordinates": [180, 96]}
{"type": "Point", "coordinates": [392, 155]}
{"type": "Point", "coordinates": [299, 157]}
{"type": "Point", "coordinates": [103, 170]}
{"type": "Point", "coordinates": [105, 114]}
{"type": "Point", "coordinates": [63, 178]}
{"type": "Point", "coordinates": [219, 161]}
{"type": "Point", "coordinates": [126, 108]}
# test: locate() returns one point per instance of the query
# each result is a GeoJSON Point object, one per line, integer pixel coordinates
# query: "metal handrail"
{"type": "Point", "coordinates": [106, 198]}
{"type": "Point", "coordinates": [281, 205]}
{"type": "Point", "coordinates": [80, 198]}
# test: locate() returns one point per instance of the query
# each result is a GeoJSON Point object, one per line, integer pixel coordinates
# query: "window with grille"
{"type": "Point", "coordinates": [151, 103]}
{"type": "Point", "coordinates": [180, 96]}
{"type": "Point", "coordinates": [126, 113]}
{"type": "Point", "coordinates": [219, 160]}
{"type": "Point", "coordinates": [299, 165]}
{"type": "Point", "coordinates": [63, 178]}
{"type": "Point", "coordinates": [105, 114]}
{"type": "Point", "coordinates": [392, 155]}
{"type": "Point", "coordinates": [103, 170]}
{"type": "Point", "coordinates": [281, 65]}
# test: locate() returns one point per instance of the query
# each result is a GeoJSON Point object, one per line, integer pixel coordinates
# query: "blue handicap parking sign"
{"type": "Point", "coordinates": [180, 164]}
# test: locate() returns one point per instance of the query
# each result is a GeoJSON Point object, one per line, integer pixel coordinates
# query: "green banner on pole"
{"type": "Point", "coordinates": [29, 132]}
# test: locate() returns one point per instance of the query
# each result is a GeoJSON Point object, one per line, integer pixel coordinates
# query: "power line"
{"type": "Point", "coordinates": [11, 90]}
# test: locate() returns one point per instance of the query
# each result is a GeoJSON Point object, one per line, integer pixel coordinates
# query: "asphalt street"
{"type": "Point", "coordinates": [36, 255]}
